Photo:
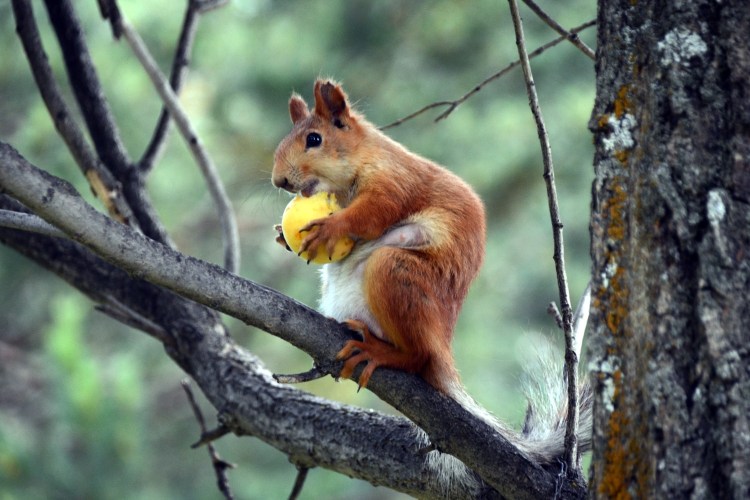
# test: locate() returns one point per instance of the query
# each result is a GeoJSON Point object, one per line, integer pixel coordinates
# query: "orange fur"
{"type": "Point", "coordinates": [413, 286]}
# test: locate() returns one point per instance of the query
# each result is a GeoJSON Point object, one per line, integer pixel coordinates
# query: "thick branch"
{"type": "Point", "coordinates": [450, 427]}
{"type": "Point", "coordinates": [313, 432]}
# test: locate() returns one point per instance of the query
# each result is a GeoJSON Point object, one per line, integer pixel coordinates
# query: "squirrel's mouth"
{"type": "Point", "coordinates": [309, 188]}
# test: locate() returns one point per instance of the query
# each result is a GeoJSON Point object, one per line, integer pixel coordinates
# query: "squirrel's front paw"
{"type": "Point", "coordinates": [321, 233]}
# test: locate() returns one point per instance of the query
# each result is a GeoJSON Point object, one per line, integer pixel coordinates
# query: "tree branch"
{"type": "Point", "coordinates": [230, 232]}
{"type": "Point", "coordinates": [452, 105]}
{"type": "Point", "coordinates": [569, 35]}
{"type": "Point", "coordinates": [220, 466]}
{"type": "Point", "coordinates": [450, 427]}
{"type": "Point", "coordinates": [98, 116]}
{"type": "Point", "coordinates": [105, 187]}
{"type": "Point", "coordinates": [179, 69]}
{"type": "Point", "coordinates": [358, 443]}
{"type": "Point", "coordinates": [28, 222]}
{"type": "Point", "coordinates": [571, 357]}
{"type": "Point", "coordinates": [299, 482]}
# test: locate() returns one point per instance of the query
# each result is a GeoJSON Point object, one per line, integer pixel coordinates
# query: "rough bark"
{"type": "Point", "coordinates": [671, 250]}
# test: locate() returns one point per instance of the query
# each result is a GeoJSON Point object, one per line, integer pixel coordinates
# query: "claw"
{"type": "Point", "coordinates": [356, 352]}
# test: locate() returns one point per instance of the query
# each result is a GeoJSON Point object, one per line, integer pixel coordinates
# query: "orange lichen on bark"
{"type": "Point", "coordinates": [627, 471]}
{"type": "Point", "coordinates": [603, 121]}
{"type": "Point", "coordinates": [616, 206]}
{"type": "Point", "coordinates": [621, 155]}
{"type": "Point", "coordinates": [614, 479]}
{"type": "Point", "coordinates": [623, 104]}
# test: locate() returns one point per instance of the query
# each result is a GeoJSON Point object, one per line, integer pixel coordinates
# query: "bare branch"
{"type": "Point", "coordinates": [452, 105]}
{"type": "Point", "coordinates": [230, 232]}
{"type": "Point", "coordinates": [211, 436]}
{"type": "Point", "coordinates": [98, 116]}
{"type": "Point", "coordinates": [220, 466]}
{"type": "Point", "coordinates": [29, 222]}
{"type": "Point", "coordinates": [553, 311]}
{"type": "Point", "coordinates": [569, 35]}
{"type": "Point", "coordinates": [355, 442]}
{"type": "Point", "coordinates": [110, 11]}
{"type": "Point", "coordinates": [105, 187]}
{"type": "Point", "coordinates": [127, 316]}
{"type": "Point", "coordinates": [179, 69]}
{"type": "Point", "coordinates": [450, 427]}
{"type": "Point", "coordinates": [299, 483]}
{"type": "Point", "coordinates": [571, 358]}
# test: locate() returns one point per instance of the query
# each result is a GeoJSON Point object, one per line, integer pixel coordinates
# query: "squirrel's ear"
{"type": "Point", "coordinates": [298, 108]}
{"type": "Point", "coordinates": [330, 103]}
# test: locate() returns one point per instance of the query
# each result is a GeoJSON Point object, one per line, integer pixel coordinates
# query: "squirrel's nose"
{"type": "Point", "coordinates": [283, 183]}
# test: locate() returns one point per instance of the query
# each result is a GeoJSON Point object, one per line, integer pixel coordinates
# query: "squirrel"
{"type": "Point", "coordinates": [420, 242]}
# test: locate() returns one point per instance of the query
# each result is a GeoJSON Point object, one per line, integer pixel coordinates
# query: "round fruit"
{"type": "Point", "coordinates": [302, 210]}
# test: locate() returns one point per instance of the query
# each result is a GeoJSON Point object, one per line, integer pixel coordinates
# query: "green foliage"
{"type": "Point", "coordinates": [93, 409]}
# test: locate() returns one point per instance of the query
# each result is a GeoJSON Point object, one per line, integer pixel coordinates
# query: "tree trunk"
{"type": "Point", "coordinates": [671, 250]}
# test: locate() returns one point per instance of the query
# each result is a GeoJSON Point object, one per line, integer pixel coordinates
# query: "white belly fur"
{"type": "Point", "coordinates": [342, 291]}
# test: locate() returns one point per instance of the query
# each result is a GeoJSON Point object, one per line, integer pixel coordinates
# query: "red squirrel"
{"type": "Point", "coordinates": [420, 241]}
{"type": "Point", "coordinates": [420, 234]}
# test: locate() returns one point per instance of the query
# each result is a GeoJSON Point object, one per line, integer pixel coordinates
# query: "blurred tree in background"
{"type": "Point", "coordinates": [89, 408]}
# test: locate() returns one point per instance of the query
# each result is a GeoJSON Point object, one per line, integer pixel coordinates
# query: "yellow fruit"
{"type": "Point", "coordinates": [301, 211]}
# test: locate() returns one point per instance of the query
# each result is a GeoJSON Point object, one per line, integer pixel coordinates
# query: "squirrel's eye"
{"type": "Point", "coordinates": [313, 140]}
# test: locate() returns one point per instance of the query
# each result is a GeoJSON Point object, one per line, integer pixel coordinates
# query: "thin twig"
{"type": "Point", "coordinates": [209, 437]}
{"type": "Point", "coordinates": [553, 311]}
{"type": "Point", "coordinates": [29, 222]}
{"type": "Point", "coordinates": [571, 358]}
{"type": "Point", "coordinates": [105, 187]}
{"type": "Point", "coordinates": [210, 174]}
{"type": "Point", "coordinates": [452, 105]}
{"type": "Point", "coordinates": [122, 313]}
{"type": "Point", "coordinates": [220, 466]}
{"type": "Point", "coordinates": [299, 483]}
{"type": "Point", "coordinates": [569, 35]}
{"type": "Point", "coordinates": [437, 104]}
{"type": "Point", "coordinates": [179, 69]}
{"type": "Point", "coordinates": [313, 373]}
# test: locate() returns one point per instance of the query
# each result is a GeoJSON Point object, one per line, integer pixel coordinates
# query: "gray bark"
{"type": "Point", "coordinates": [671, 250]}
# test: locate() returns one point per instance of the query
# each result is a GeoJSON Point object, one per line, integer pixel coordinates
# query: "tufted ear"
{"type": "Point", "coordinates": [298, 108]}
{"type": "Point", "coordinates": [330, 103]}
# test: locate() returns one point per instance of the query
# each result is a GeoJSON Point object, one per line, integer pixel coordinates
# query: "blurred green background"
{"type": "Point", "coordinates": [92, 409]}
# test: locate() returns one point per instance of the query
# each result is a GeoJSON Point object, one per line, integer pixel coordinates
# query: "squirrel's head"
{"type": "Point", "coordinates": [317, 154]}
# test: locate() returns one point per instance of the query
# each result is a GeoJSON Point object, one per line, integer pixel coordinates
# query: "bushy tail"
{"type": "Point", "coordinates": [542, 437]}
{"type": "Point", "coordinates": [543, 434]}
